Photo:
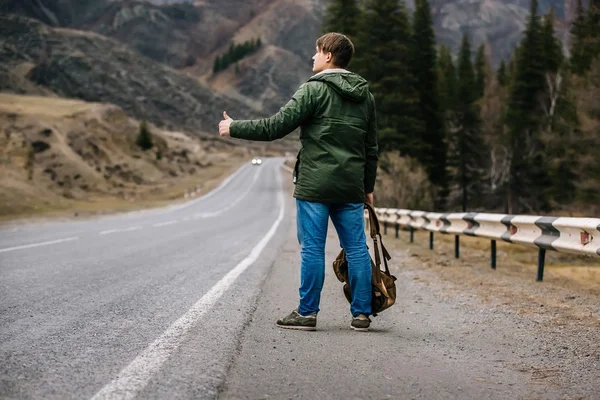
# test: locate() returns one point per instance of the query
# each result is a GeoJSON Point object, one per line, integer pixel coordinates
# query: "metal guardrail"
{"type": "Point", "coordinates": [562, 234]}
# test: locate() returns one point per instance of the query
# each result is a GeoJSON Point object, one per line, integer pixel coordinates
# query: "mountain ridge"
{"type": "Point", "coordinates": [189, 35]}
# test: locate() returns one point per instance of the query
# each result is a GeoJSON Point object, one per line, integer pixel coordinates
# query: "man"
{"type": "Point", "coordinates": [334, 173]}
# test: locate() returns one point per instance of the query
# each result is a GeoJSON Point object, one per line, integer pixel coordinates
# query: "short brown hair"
{"type": "Point", "coordinates": [340, 47]}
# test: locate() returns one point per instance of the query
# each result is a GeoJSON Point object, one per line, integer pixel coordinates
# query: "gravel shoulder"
{"type": "Point", "coordinates": [458, 331]}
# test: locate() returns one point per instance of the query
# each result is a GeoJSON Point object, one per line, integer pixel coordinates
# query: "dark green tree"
{"type": "Point", "coordinates": [424, 62]}
{"type": "Point", "coordinates": [480, 71]}
{"type": "Point", "coordinates": [447, 80]}
{"type": "Point", "coordinates": [217, 65]}
{"type": "Point", "coordinates": [341, 16]}
{"type": "Point", "coordinates": [385, 41]}
{"type": "Point", "coordinates": [593, 29]}
{"type": "Point", "coordinates": [501, 74]}
{"type": "Point", "coordinates": [235, 53]}
{"type": "Point", "coordinates": [528, 177]}
{"type": "Point", "coordinates": [467, 149]}
{"type": "Point", "coordinates": [585, 35]}
{"type": "Point", "coordinates": [579, 55]}
{"type": "Point", "coordinates": [551, 46]}
{"type": "Point", "coordinates": [561, 122]}
{"type": "Point", "coordinates": [144, 138]}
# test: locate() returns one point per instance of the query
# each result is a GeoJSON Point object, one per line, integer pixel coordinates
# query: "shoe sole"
{"type": "Point", "coordinates": [360, 329]}
{"type": "Point", "coordinates": [298, 327]}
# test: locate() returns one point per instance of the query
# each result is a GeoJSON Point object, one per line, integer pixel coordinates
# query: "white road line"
{"type": "Point", "coordinates": [165, 223]}
{"type": "Point", "coordinates": [133, 378]}
{"type": "Point", "coordinates": [133, 228]}
{"type": "Point", "coordinates": [230, 206]}
{"type": "Point", "coordinates": [29, 246]}
{"type": "Point", "coordinates": [209, 194]}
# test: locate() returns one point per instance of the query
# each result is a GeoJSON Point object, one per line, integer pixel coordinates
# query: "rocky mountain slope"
{"type": "Point", "coordinates": [153, 59]}
{"type": "Point", "coordinates": [62, 154]}
{"type": "Point", "coordinates": [91, 67]}
{"type": "Point", "coordinates": [496, 23]}
{"type": "Point", "coordinates": [189, 35]}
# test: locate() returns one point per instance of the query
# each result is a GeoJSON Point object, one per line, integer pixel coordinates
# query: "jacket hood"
{"type": "Point", "coordinates": [349, 85]}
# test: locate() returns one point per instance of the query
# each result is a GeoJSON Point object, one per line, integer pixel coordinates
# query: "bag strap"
{"type": "Point", "coordinates": [375, 233]}
{"type": "Point", "coordinates": [373, 220]}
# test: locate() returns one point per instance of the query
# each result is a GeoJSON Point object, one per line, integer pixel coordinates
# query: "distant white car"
{"type": "Point", "coordinates": [256, 161]}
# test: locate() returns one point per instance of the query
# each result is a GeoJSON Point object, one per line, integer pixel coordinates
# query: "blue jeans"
{"type": "Point", "coordinates": [312, 220]}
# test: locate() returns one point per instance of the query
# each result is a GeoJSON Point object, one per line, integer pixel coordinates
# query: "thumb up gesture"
{"type": "Point", "coordinates": [224, 125]}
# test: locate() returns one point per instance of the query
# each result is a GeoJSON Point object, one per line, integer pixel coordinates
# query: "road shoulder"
{"type": "Point", "coordinates": [434, 343]}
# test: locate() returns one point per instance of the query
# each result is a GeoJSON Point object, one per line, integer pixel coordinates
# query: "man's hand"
{"type": "Point", "coordinates": [369, 198]}
{"type": "Point", "coordinates": [224, 125]}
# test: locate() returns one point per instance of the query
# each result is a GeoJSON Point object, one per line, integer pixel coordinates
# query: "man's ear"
{"type": "Point", "coordinates": [329, 57]}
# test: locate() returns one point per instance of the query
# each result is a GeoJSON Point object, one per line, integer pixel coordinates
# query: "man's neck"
{"type": "Point", "coordinates": [332, 70]}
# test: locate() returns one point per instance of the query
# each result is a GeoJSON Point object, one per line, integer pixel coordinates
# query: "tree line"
{"type": "Point", "coordinates": [235, 53]}
{"type": "Point", "coordinates": [512, 140]}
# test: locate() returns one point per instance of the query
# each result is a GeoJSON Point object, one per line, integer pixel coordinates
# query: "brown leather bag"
{"type": "Point", "coordinates": [383, 282]}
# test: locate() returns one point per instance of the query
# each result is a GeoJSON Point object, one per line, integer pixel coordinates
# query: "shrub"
{"type": "Point", "coordinates": [402, 183]}
{"type": "Point", "coordinates": [144, 139]}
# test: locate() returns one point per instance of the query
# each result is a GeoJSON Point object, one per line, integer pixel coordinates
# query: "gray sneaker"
{"type": "Point", "coordinates": [297, 321]}
{"type": "Point", "coordinates": [361, 323]}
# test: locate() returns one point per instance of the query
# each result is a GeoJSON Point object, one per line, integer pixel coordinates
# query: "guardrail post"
{"type": "Point", "coordinates": [430, 240]}
{"type": "Point", "coordinates": [457, 246]}
{"type": "Point", "coordinates": [493, 260]}
{"type": "Point", "coordinates": [541, 261]}
{"type": "Point", "coordinates": [412, 235]}
{"type": "Point", "coordinates": [397, 229]}
{"type": "Point", "coordinates": [385, 228]}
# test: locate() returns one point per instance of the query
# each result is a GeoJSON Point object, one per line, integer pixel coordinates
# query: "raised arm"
{"type": "Point", "coordinates": [290, 117]}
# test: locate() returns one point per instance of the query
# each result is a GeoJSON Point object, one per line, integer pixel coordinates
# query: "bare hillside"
{"type": "Point", "coordinates": [72, 155]}
{"type": "Point", "coordinates": [91, 67]}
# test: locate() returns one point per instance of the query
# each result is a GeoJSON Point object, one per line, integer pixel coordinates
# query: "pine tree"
{"type": "Point", "coordinates": [424, 63]}
{"type": "Point", "coordinates": [553, 56]}
{"type": "Point", "coordinates": [501, 74]}
{"type": "Point", "coordinates": [447, 80]}
{"type": "Point", "coordinates": [480, 71]}
{"type": "Point", "coordinates": [217, 65]}
{"type": "Point", "coordinates": [579, 62]}
{"type": "Point", "coordinates": [341, 16]}
{"type": "Point", "coordinates": [528, 178]}
{"type": "Point", "coordinates": [585, 33]}
{"type": "Point", "coordinates": [468, 150]}
{"type": "Point", "coordinates": [564, 147]}
{"type": "Point", "coordinates": [385, 63]}
{"type": "Point", "coordinates": [144, 138]}
{"type": "Point", "coordinates": [593, 29]}
{"type": "Point", "coordinates": [560, 119]}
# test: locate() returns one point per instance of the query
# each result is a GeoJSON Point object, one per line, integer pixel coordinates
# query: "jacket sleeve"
{"type": "Point", "coordinates": [371, 149]}
{"type": "Point", "coordinates": [289, 117]}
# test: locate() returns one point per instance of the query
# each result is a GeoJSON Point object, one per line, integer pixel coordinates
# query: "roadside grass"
{"type": "Point", "coordinates": [54, 107]}
{"type": "Point", "coordinates": [151, 196]}
{"type": "Point", "coordinates": [510, 258]}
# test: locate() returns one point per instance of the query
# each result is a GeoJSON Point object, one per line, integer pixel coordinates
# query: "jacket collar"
{"type": "Point", "coordinates": [331, 71]}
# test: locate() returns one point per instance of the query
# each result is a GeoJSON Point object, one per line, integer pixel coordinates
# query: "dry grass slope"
{"type": "Point", "coordinates": [65, 156]}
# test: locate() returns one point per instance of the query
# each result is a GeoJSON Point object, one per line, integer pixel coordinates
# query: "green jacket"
{"type": "Point", "coordinates": [335, 111]}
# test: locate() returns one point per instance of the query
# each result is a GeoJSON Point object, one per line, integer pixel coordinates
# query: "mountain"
{"type": "Point", "coordinates": [91, 67]}
{"type": "Point", "coordinates": [496, 23]}
{"type": "Point", "coordinates": [189, 35]}
{"type": "Point", "coordinates": [59, 154]}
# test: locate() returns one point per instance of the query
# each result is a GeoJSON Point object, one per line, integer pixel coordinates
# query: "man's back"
{"type": "Point", "coordinates": [339, 148]}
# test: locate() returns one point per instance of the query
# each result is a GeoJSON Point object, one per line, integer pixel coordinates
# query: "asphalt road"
{"type": "Point", "coordinates": [147, 304]}
{"type": "Point", "coordinates": [181, 303]}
